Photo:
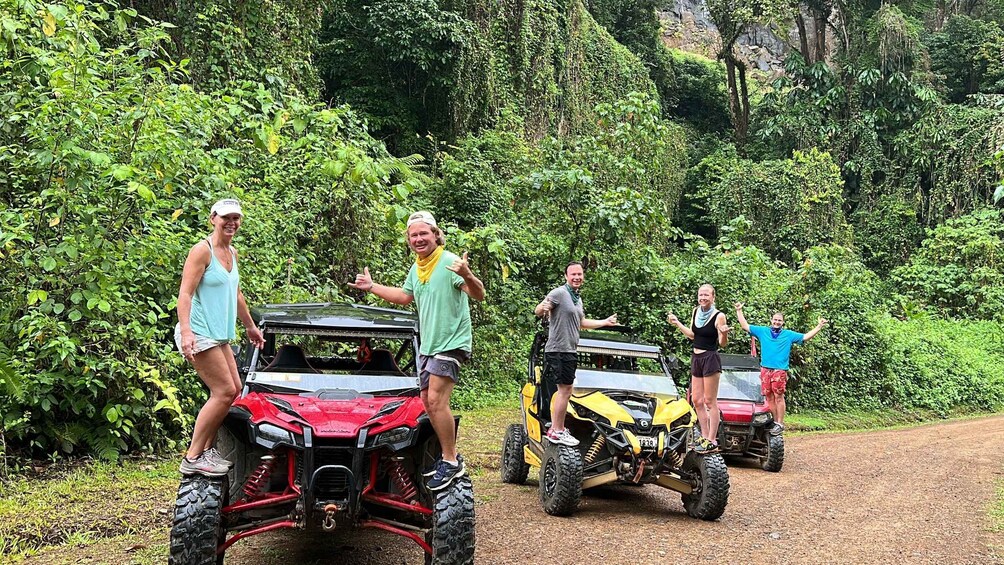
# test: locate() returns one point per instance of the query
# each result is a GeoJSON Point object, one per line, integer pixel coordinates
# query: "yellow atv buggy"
{"type": "Point", "coordinates": [631, 423]}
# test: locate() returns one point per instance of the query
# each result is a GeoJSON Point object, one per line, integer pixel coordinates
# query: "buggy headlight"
{"type": "Point", "coordinates": [762, 418]}
{"type": "Point", "coordinates": [392, 436]}
{"type": "Point", "coordinates": [587, 414]}
{"type": "Point", "coordinates": [272, 434]}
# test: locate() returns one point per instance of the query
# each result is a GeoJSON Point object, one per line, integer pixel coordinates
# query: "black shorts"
{"type": "Point", "coordinates": [704, 364]}
{"type": "Point", "coordinates": [562, 367]}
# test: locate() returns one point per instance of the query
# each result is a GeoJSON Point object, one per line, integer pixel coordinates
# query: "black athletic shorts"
{"type": "Point", "coordinates": [704, 364]}
{"type": "Point", "coordinates": [562, 367]}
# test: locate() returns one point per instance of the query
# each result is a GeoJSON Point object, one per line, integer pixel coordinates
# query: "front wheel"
{"type": "Point", "coordinates": [708, 500]}
{"type": "Point", "coordinates": [775, 454]}
{"type": "Point", "coordinates": [514, 468]}
{"type": "Point", "coordinates": [452, 536]}
{"type": "Point", "coordinates": [198, 528]}
{"type": "Point", "coordinates": [560, 480]}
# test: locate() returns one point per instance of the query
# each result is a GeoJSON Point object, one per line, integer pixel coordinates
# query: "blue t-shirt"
{"type": "Point", "coordinates": [775, 352]}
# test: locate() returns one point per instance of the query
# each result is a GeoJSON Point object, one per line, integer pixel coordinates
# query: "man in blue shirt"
{"type": "Point", "coordinates": [775, 350]}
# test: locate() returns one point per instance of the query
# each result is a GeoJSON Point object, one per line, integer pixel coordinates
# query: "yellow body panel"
{"type": "Point", "coordinates": [633, 441]}
{"type": "Point", "coordinates": [667, 412]}
{"type": "Point", "coordinates": [530, 457]}
{"type": "Point", "coordinates": [602, 405]}
{"type": "Point", "coordinates": [532, 425]}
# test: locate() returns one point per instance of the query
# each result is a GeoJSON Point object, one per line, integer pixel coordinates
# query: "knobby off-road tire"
{"type": "Point", "coordinates": [775, 454]}
{"type": "Point", "coordinates": [560, 479]}
{"type": "Point", "coordinates": [709, 501]}
{"type": "Point", "coordinates": [198, 521]}
{"type": "Point", "coordinates": [452, 537]}
{"type": "Point", "coordinates": [514, 467]}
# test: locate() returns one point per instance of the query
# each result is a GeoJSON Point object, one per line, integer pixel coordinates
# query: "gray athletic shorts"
{"type": "Point", "coordinates": [444, 364]}
{"type": "Point", "coordinates": [202, 342]}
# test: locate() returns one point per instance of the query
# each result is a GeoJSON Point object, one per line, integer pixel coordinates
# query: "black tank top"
{"type": "Point", "coordinates": [705, 337]}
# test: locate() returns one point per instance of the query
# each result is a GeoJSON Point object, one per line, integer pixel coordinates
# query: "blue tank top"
{"type": "Point", "coordinates": [214, 306]}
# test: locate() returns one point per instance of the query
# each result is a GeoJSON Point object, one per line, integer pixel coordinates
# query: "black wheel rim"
{"type": "Point", "coordinates": [550, 477]}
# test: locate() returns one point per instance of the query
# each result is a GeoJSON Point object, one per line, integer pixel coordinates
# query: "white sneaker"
{"type": "Point", "coordinates": [215, 456]}
{"type": "Point", "coordinates": [562, 438]}
{"type": "Point", "coordinates": [202, 466]}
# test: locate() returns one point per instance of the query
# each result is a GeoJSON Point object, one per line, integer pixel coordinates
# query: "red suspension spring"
{"type": "Point", "coordinates": [258, 482]}
{"type": "Point", "coordinates": [402, 480]}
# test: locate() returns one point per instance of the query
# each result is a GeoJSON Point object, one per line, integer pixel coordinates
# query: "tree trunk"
{"type": "Point", "coordinates": [737, 95]}
{"type": "Point", "coordinates": [742, 128]}
{"type": "Point", "coordinates": [820, 24]}
{"type": "Point", "coordinates": [803, 39]}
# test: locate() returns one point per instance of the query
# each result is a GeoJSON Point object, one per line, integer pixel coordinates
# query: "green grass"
{"type": "Point", "coordinates": [81, 502]}
{"type": "Point", "coordinates": [820, 421]}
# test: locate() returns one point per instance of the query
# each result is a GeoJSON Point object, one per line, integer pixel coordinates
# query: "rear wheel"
{"type": "Point", "coordinates": [452, 536]}
{"type": "Point", "coordinates": [560, 480]}
{"type": "Point", "coordinates": [708, 500]}
{"type": "Point", "coordinates": [775, 454]}
{"type": "Point", "coordinates": [514, 467]}
{"type": "Point", "coordinates": [198, 527]}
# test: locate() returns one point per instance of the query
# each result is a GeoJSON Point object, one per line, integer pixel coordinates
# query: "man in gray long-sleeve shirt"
{"type": "Point", "coordinates": [567, 313]}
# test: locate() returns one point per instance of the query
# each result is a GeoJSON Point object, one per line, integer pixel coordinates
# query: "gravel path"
{"type": "Point", "coordinates": [918, 495]}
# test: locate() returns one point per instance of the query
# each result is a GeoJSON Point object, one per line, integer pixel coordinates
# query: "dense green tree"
{"type": "Point", "coordinates": [967, 53]}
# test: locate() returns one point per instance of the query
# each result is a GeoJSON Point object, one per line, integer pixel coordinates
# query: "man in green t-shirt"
{"type": "Point", "coordinates": [439, 283]}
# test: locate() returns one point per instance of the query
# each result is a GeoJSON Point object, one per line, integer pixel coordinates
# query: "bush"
{"type": "Point", "coordinates": [959, 268]}
{"type": "Point", "coordinates": [794, 203]}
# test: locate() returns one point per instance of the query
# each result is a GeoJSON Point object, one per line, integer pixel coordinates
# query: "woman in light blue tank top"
{"type": "Point", "coordinates": [209, 303]}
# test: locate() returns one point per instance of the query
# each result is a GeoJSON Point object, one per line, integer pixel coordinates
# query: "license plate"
{"type": "Point", "coordinates": [648, 442]}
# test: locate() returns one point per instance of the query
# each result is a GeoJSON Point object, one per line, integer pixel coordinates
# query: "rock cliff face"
{"type": "Point", "coordinates": [688, 26]}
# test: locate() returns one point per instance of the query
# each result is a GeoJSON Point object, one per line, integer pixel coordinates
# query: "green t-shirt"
{"type": "Point", "coordinates": [444, 317]}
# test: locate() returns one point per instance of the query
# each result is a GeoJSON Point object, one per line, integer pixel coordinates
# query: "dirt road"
{"type": "Point", "coordinates": [918, 495]}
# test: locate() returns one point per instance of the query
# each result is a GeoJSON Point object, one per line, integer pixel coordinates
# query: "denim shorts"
{"type": "Point", "coordinates": [202, 342]}
{"type": "Point", "coordinates": [443, 364]}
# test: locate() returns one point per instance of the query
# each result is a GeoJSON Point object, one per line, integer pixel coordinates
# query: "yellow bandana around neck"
{"type": "Point", "coordinates": [425, 266]}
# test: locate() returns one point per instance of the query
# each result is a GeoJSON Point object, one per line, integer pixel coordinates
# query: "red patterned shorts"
{"type": "Point", "coordinates": [773, 381]}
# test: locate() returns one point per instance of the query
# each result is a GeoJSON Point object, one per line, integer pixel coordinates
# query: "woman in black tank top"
{"type": "Point", "coordinates": [709, 330]}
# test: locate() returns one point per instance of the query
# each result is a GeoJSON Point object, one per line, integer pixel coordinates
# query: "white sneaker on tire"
{"type": "Point", "coordinates": [562, 438]}
{"type": "Point", "coordinates": [202, 466]}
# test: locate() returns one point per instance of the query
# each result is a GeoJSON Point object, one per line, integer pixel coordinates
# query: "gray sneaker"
{"type": "Point", "coordinates": [777, 430]}
{"type": "Point", "coordinates": [201, 465]}
{"type": "Point", "coordinates": [215, 456]}
{"type": "Point", "coordinates": [562, 438]}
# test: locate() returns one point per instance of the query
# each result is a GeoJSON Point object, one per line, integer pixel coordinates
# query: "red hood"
{"type": "Point", "coordinates": [738, 411]}
{"type": "Point", "coordinates": [333, 418]}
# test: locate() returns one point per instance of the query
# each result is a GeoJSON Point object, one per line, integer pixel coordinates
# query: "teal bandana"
{"type": "Point", "coordinates": [575, 295]}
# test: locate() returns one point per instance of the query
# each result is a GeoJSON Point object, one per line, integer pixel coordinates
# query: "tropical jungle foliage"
{"type": "Point", "coordinates": [859, 186]}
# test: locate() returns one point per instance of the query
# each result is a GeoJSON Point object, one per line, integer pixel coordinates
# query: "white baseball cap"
{"type": "Point", "coordinates": [422, 216]}
{"type": "Point", "coordinates": [227, 206]}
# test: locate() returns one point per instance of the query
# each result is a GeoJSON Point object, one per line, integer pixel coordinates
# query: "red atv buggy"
{"type": "Point", "coordinates": [746, 419]}
{"type": "Point", "coordinates": [329, 432]}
